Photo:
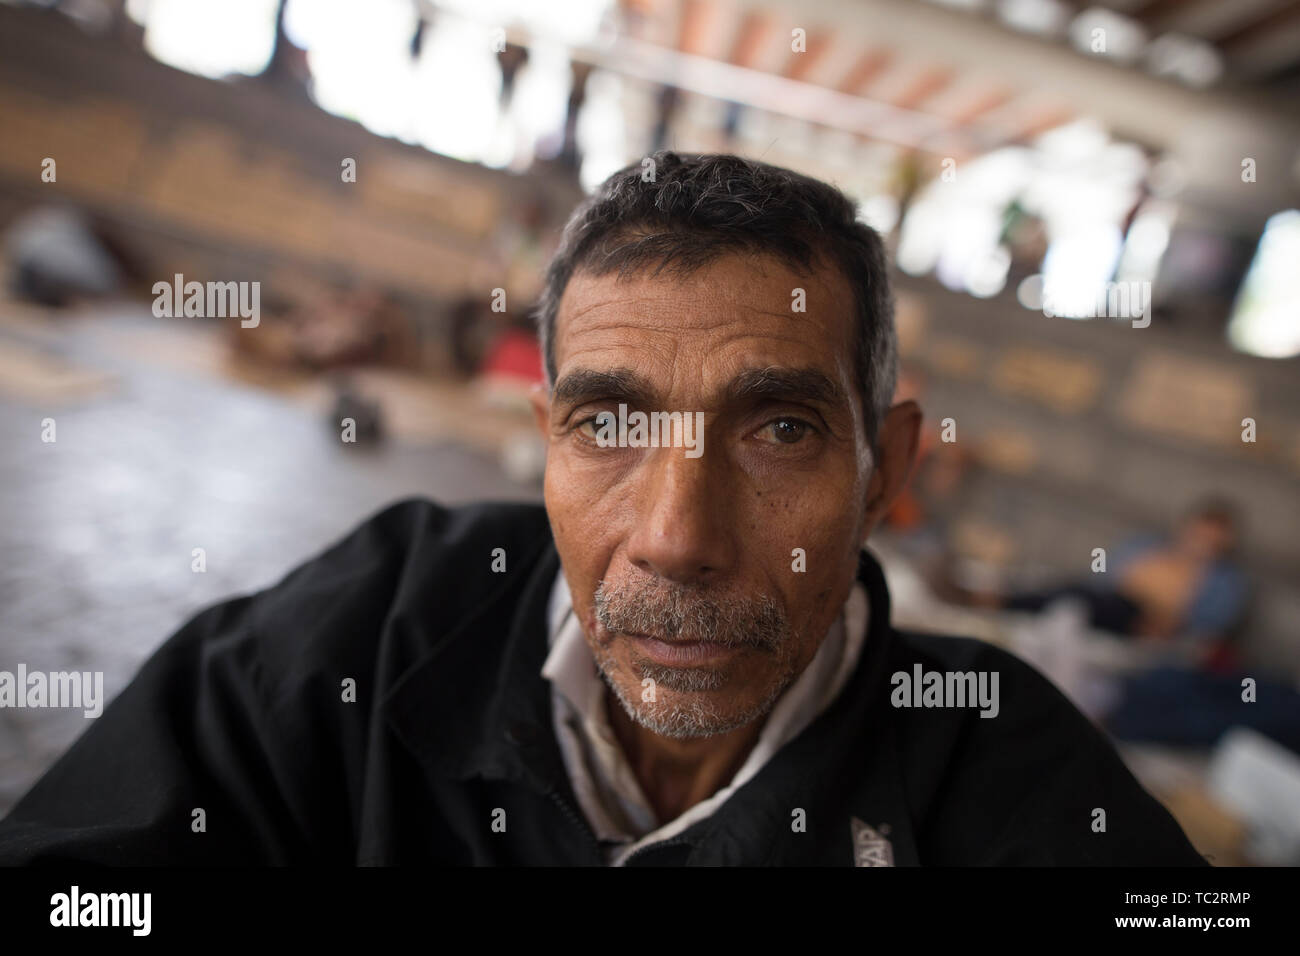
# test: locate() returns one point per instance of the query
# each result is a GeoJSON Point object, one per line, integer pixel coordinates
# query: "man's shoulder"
{"type": "Point", "coordinates": [951, 653]}
{"type": "Point", "coordinates": [414, 524]}
{"type": "Point", "coordinates": [987, 730]}
{"type": "Point", "coordinates": [391, 587]}
{"type": "Point", "coordinates": [977, 688]}
{"type": "Point", "coordinates": [1013, 698]}
{"type": "Point", "coordinates": [414, 547]}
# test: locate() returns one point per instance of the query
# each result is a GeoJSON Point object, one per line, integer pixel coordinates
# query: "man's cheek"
{"type": "Point", "coordinates": [579, 483]}
{"type": "Point", "coordinates": [563, 502]}
{"type": "Point", "coordinates": [814, 577]}
{"type": "Point", "coordinates": [810, 553]}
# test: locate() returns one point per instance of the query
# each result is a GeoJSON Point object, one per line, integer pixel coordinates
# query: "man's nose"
{"type": "Point", "coordinates": [682, 531]}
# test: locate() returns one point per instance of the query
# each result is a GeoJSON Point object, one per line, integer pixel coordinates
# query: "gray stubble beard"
{"type": "Point", "coordinates": [670, 611]}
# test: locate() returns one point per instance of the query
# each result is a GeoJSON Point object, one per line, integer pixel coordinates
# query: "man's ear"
{"type": "Point", "coordinates": [539, 396]}
{"type": "Point", "coordinates": [898, 441]}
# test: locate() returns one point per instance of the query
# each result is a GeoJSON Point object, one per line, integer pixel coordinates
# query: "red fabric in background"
{"type": "Point", "coordinates": [515, 354]}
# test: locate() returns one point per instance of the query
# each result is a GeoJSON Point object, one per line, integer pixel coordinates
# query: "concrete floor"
{"type": "Point", "coordinates": [97, 528]}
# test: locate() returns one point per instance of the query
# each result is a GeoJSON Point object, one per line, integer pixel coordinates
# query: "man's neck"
{"type": "Point", "coordinates": [677, 774]}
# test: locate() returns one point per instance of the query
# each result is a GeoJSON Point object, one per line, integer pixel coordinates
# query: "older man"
{"type": "Point", "coordinates": [685, 658]}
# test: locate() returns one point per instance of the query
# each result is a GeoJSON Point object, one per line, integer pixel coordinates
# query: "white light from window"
{"type": "Point", "coordinates": [1100, 32]}
{"type": "Point", "coordinates": [1145, 244]}
{"type": "Point", "coordinates": [880, 212]}
{"type": "Point", "coordinates": [212, 38]}
{"type": "Point", "coordinates": [1191, 60]}
{"type": "Point", "coordinates": [1030, 292]}
{"type": "Point", "coordinates": [1041, 17]}
{"type": "Point", "coordinates": [1077, 265]}
{"type": "Point", "coordinates": [1266, 317]}
{"type": "Point", "coordinates": [602, 130]}
{"type": "Point", "coordinates": [359, 58]}
{"type": "Point", "coordinates": [986, 275]}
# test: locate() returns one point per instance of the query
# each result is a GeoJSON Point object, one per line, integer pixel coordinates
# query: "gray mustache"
{"type": "Point", "coordinates": [674, 612]}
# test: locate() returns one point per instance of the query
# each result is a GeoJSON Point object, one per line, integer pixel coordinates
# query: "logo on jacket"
{"type": "Point", "coordinates": [870, 848]}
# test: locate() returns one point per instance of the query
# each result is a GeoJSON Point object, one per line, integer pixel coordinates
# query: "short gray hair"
{"type": "Point", "coordinates": [695, 208]}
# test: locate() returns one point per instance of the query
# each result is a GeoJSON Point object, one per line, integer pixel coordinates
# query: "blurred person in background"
{"type": "Point", "coordinates": [1183, 588]}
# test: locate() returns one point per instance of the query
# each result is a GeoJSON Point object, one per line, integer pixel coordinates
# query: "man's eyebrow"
{"type": "Point", "coordinates": [585, 385]}
{"type": "Point", "coordinates": [789, 384]}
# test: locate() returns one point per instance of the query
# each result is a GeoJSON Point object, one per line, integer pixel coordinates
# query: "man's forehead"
{"type": "Point", "coordinates": [731, 299]}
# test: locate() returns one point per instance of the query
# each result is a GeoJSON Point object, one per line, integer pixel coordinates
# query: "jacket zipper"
{"type": "Point", "coordinates": [577, 820]}
{"type": "Point", "coordinates": [583, 827]}
{"type": "Point", "coordinates": [674, 841]}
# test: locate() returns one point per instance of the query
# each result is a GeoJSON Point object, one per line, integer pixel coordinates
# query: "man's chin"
{"type": "Point", "coordinates": [685, 721]}
{"type": "Point", "coordinates": [684, 714]}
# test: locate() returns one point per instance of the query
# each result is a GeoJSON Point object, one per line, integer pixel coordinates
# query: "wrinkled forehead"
{"type": "Point", "coordinates": [735, 308]}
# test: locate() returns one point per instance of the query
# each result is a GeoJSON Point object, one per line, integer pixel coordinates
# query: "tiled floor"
{"type": "Point", "coordinates": [97, 528]}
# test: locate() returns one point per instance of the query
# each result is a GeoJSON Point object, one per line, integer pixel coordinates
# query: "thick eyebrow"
{"type": "Point", "coordinates": [773, 383]}
{"type": "Point", "coordinates": [584, 385]}
{"type": "Point", "coordinates": [787, 384]}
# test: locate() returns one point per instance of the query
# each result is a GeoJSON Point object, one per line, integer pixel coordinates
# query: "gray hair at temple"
{"type": "Point", "coordinates": [696, 208]}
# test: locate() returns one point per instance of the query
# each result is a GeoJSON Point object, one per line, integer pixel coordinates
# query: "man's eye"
{"type": "Point", "coordinates": [589, 427]}
{"type": "Point", "coordinates": [784, 431]}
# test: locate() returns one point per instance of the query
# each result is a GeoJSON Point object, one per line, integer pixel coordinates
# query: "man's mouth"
{"type": "Point", "coordinates": [679, 653]}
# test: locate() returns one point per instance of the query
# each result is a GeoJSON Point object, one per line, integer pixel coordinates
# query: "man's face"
{"type": "Point", "coordinates": [683, 567]}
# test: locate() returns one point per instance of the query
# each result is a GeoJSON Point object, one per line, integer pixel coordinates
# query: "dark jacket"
{"type": "Point", "coordinates": [242, 714]}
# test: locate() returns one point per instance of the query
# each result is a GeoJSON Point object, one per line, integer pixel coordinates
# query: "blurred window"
{"type": "Point", "coordinates": [213, 38]}
{"type": "Point", "coordinates": [1265, 319]}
